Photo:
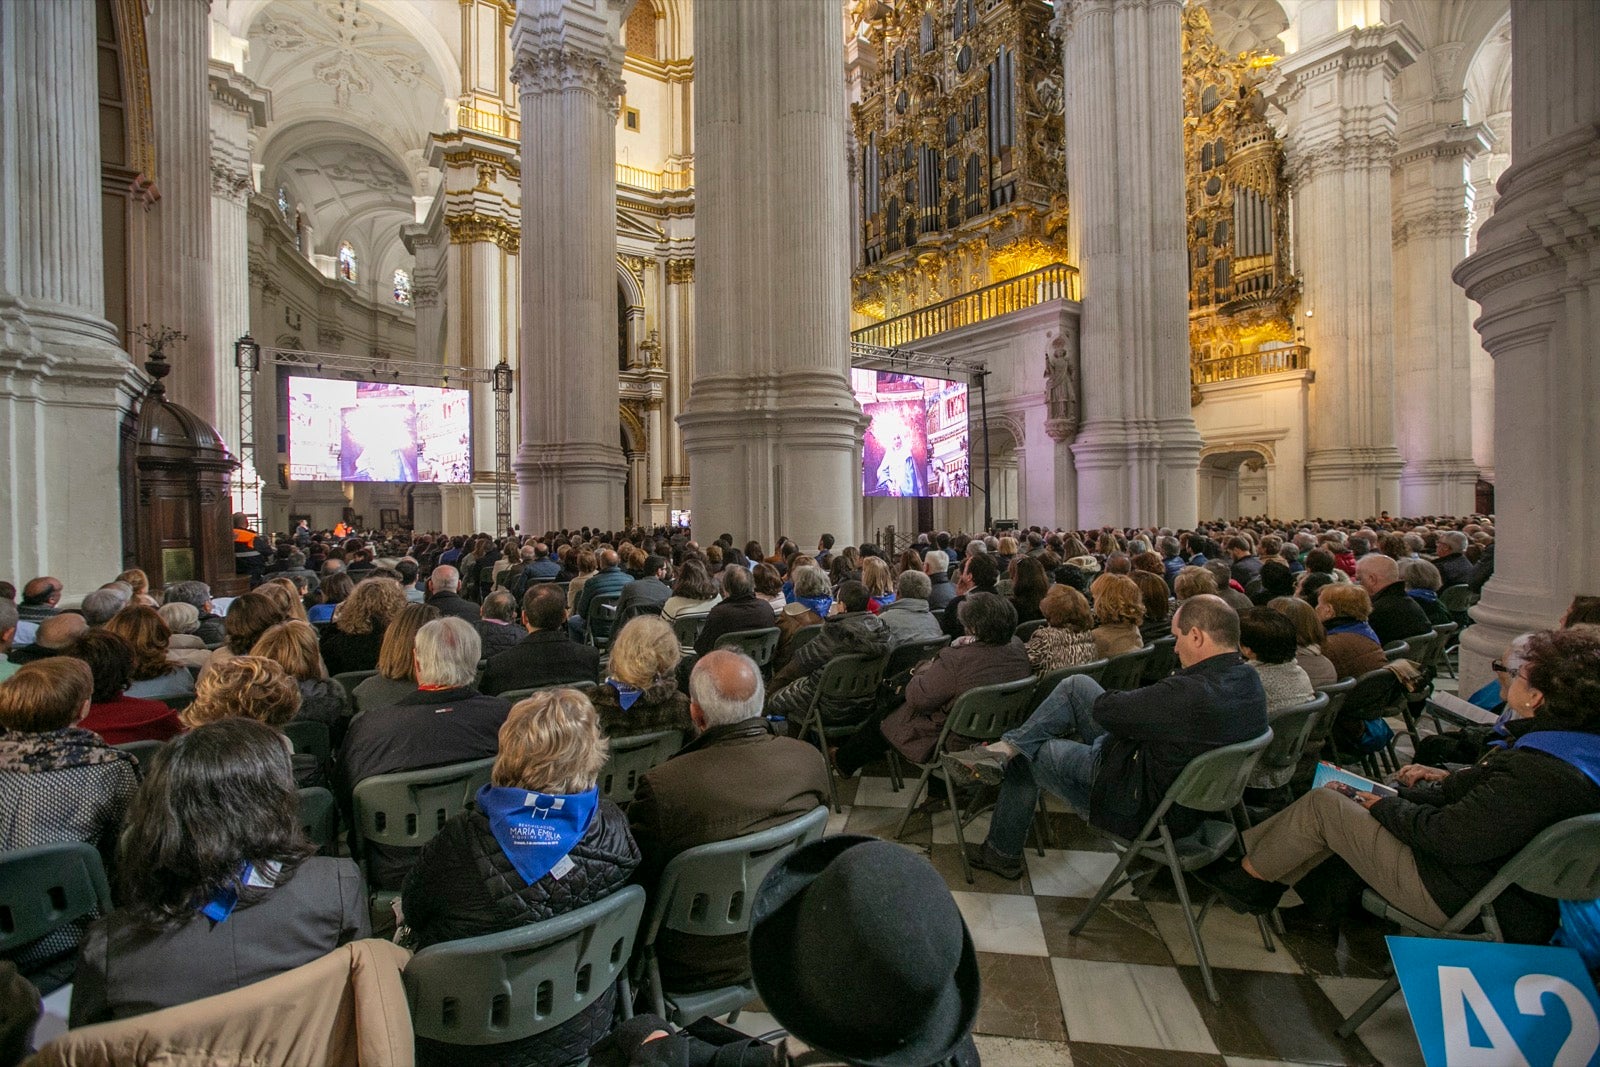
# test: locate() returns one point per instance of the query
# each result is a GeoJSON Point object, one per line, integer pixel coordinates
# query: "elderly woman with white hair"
{"type": "Point", "coordinates": [185, 647]}
{"type": "Point", "coordinates": [484, 872]}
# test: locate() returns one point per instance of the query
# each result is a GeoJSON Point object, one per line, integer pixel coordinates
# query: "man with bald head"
{"type": "Point", "coordinates": [1112, 756]}
{"type": "Point", "coordinates": [1395, 616]}
{"type": "Point", "coordinates": [443, 593]}
{"type": "Point", "coordinates": [735, 778]}
{"type": "Point", "coordinates": [39, 599]}
{"type": "Point", "coordinates": [607, 581]}
{"type": "Point", "coordinates": [55, 634]}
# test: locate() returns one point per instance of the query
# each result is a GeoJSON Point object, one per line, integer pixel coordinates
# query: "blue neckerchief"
{"type": "Point", "coordinates": [221, 905]}
{"type": "Point", "coordinates": [1427, 596]}
{"type": "Point", "coordinates": [884, 601]}
{"type": "Point", "coordinates": [1581, 750]}
{"type": "Point", "coordinates": [536, 830]}
{"type": "Point", "coordinates": [788, 592]}
{"type": "Point", "coordinates": [1356, 628]}
{"type": "Point", "coordinates": [626, 694]}
{"type": "Point", "coordinates": [1501, 738]}
{"type": "Point", "coordinates": [819, 604]}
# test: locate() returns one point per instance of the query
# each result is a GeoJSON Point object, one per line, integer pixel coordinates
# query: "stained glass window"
{"type": "Point", "coordinates": [402, 287]}
{"type": "Point", "coordinates": [347, 261]}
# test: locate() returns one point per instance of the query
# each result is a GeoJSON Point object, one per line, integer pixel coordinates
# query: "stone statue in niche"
{"type": "Point", "coordinates": [1061, 384]}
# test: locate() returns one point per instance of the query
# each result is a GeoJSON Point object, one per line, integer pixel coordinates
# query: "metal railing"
{"type": "Point", "coordinates": [655, 181]}
{"type": "Point", "coordinates": [494, 123]}
{"type": "Point", "coordinates": [1055, 282]}
{"type": "Point", "coordinates": [1251, 364]}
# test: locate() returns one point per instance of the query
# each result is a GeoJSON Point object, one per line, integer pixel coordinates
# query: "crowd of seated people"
{"type": "Point", "coordinates": [1264, 613]}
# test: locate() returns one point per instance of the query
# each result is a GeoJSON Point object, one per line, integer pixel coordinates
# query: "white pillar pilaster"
{"type": "Point", "coordinates": [65, 385]}
{"type": "Point", "coordinates": [1537, 277]}
{"type": "Point", "coordinates": [1138, 450]}
{"type": "Point", "coordinates": [1486, 171]}
{"type": "Point", "coordinates": [568, 68]}
{"type": "Point", "coordinates": [772, 432]}
{"type": "Point", "coordinates": [181, 274]}
{"type": "Point", "coordinates": [677, 344]}
{"type": "Point", "coordinates": [1339, 147]}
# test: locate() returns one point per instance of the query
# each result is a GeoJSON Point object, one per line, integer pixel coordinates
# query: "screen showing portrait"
{"type": "Point", "coordinates": [343, 431]}
{"type": "Point", "coordinates": [916, 443]}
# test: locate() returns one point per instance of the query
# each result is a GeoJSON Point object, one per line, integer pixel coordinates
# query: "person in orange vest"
{"type": "Point", "coordinates": [341, 531]}
{"type": "Point", "coordinates": [249, 550]}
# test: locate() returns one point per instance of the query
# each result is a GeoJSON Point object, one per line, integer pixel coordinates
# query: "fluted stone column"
{"type": "Point", "coordinates": [1537, 277]}
{"type": "Point", "coordinates": [568, 68]}
{"type": "Point", "coordinates": [772, 432]}
{"type": "Point", "coordinates": [1138, 452]}
{"type": "Point", "coordinates": [1340, 146]}
{"type": "Point", "coordinates": [677, 352]}
{"type": "Point", "coordinates": [1486, 171]}
{"type": "Point", "coordinates": [1433, 320]}
{"type": "Point", "coordinates": [180, 270]}
{"type": "Point", "coordinates": [65, 386]}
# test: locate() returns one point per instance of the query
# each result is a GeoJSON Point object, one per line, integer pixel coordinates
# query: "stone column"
{"type": "Point", "coordinates": [180, 272]}
{"type": "Point", "coordinates": [1486, 171]}
{"type": "Point", "coordinates": [772, 432]}
{"type": "Point", "coordinates": [1537, 277]}
{"type": "Point", "coordinates": [1340, 145]}
{"type": "Point", "coordinates": [1137, 452]}
{"type": "Point", "coordinates": [65, 386]}
{"type": "Point", "coordinates": [652, 495]}
{"type": "Point", "coordinates": [677, 343]}
{"type": "Point", "coordinates": [568, 68]}
{"type": "Point", "coordinates": [1433, 321]}
{"type": "Point", "coordinates": [238, 106]}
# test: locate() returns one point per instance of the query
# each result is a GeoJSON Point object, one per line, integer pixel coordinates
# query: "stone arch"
{"type": "Point", "coordinates": [1236, 478]}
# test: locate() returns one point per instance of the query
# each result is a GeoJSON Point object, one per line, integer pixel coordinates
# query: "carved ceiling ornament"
{"type": "Point", "coordinates": [348, 30]}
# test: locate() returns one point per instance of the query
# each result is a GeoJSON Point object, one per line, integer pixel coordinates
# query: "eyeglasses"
{"type": "Point", "coordinates": [1500, 668]}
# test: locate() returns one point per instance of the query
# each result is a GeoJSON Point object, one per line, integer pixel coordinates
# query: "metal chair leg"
{"type": "Point", "coordinates": [1041, 828]}
{"type": "Point", "coordinates": [1188, 915]}
{"type": "Point", "coordinates": [1109, 886]}
{"type": "Point", "coordinates": [911, 804]}
{"type": "Point", "coordinates": [1373, 1003]}
{"type": "Point", "coordinates": [955, 813]}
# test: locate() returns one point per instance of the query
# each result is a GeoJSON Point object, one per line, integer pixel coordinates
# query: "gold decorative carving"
{"type": "Point", "coordinates": [633, 264]}
{"type": "Point", "coordinates": [1242, 294]}
{"type": "Point", "coordinates": [958, 150]}
{"type": "Point", "coordinates": [129, 18]}
{"type": "Point", "coordinates": [680, 271]}
{"type": "Point", "coordinates": [474, 228]}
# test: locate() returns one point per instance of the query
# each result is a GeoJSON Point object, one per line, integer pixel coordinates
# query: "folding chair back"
{"type": "Point", "coordinates": [1215, 780]}
{"type": "Point", "coordinates": [988, 711]}
{"type": "Point", "coordinates": [1047, 682]}
{"type": "Point", "coordinates": [759, 645]}
{"type": "Point", "coordinates": [801, 637]}
{"type": "Point", "coordinates": [143, 751]}
{"type": "Point", "coordinates": [600, 618]}
{"type": "Point", "coordinates": [309, 737]}
{"type": "Point", "coordinates": [1374, 695]}
{"type": "Point", "coordinates": [1457, 599]}
{"type": "Point", "coordinates": [408, 808]}
{"type": "Point", "coordinates": [1423, 649]}
{"type": "Point", "coordinates": [46, 887]}
{"type": "Point", "coordinates": [908, 654]}
{"type": "Point", "coordinates": [848, 678]}
{"type": "Point", "coordinates": [687, 629]}
{"type": "Point", "coordinates": [1127, 670]}
{"type": "Point", "coordinates": [1163, 660]}
{"type": "Point", "coordinates": [1393, 650]}
{"type": "Point", "coordinates": [1337, 693]}
{"type": "Point", "coordinates": [631, 757]}
{"type": "Point", "coordinates": [1292, 728]}
{"type": "Point", "coordinates": [319, 818]}
{"type": "Point", "coordinates": [512, 985]}
{"type": "Point", "coordinates": [178, 702]}
{"type": "Point", "coordinates": [709, 891]}
{"type": "Point", "coordinates": [1025, 630]}
{"type": "Point", "coordinates": [351, 679]}
{"type": "Point", "coordinates": [514, 695]}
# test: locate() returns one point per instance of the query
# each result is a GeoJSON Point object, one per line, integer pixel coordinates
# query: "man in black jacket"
{"type": "Point", "coordinates": [1130, 747]}
{"type": "Point", "coordinates": [547, 656]}
{"type": "Point", "coordinates": [443, 586]}
{"type": "Point", "coordinates": [649, 589]}
{"type": "Point", "coordinates": [1454, 567]}
{"type": "Point", "coordinates": [740, 609]}
{"type": "Point", "coordinates": [978, 575]}
{"type": "Point", "coordinates": [445, 721]}
{"type": "Point", "coordinates": [1395, 616]}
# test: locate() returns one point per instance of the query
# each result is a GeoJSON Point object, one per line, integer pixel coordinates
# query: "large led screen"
{"type": "Point", "coordinates": [342, 431]}
{"type": "Point", "coordinates": [916, 442]}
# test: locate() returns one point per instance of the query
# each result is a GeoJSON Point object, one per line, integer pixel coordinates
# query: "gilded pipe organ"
{"type": "Point", "coordinates": [1242, 292]}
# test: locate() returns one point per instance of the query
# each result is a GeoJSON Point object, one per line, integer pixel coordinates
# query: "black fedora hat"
{"type": "Point", "coordinates": [858, 949]}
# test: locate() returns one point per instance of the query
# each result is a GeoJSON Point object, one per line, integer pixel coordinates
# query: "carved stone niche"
{"type": "Point", "coordinates": [183, 518]}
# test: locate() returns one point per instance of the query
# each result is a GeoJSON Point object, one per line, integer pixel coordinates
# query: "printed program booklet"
{"type": "Point", "coordinates": [1328, 772]}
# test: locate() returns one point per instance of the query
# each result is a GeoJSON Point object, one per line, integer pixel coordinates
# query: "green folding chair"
{"type": "Point", "coordinates": [1445, 661]}
{"type": "Point", "coordinates": [759, 645]}
{"type": "Point", "coordinates": [1163, 660]}
{"type": "Point", "coordinates": [351, 679]}
{"type": "Point", "coordinates": [514, 695]}
{"type": "Point", "coordinates": [630, 758]}
{"type": "Point", "coordinates": [1292, 728]}
{"type": "Point", "coordinates": [686, 628]}
{"type": "Point", "coordinates": [983, 713]}
{"type": "Point", "coordinates": [600, 619]}
{"type": "Point", "coordinates": [1562, 863]}
{"type": "Point", "coordinates": [1126, 671]}
{"type": "Point", "coordinates": [801, 637]}
{"type": "Point", "coordinates": [143, 751]}
{"type": "Point", "coordinates": [319, 818]}
{"type": "Point", "coordinates": [308, 737]}
{"type": "Point", "coordinates": [178, 702]}
{"type": "Point", "coordinates": [1050, 679]}
{"type": "Point", "coordinates": [846, 679]}
{"type": "Point", "coordinates": [45, 888]}
{"type": "Point", "coordinates": [508, 986]}
{"type": "Point", "coordinates": [1458, 601]}
{"type": "Point", "coordinates": [408, 808]}
{"type": "Point", "coordinates": [1376, 695]}
{"type": "Point", "coordinates": [708, 891]}
{"type": "Point", "coordinates": [1025, 630]}
{"type": "Point", "coordinates": [1213, 781]}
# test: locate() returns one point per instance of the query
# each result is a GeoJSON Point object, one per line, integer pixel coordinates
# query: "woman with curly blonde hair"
{"type": "Point", "coordinates": [354, 640]}
{"type": "Point", "coordinates": [1119, 609]}
{"type": "Point", "coordinates": [293, 646]}
{"type": "Point", "coordinates": [245, 687]}
{"type": "Point", "coordinates": [154, 675]}
{"type": "Point", "coordinates": [640, 694]}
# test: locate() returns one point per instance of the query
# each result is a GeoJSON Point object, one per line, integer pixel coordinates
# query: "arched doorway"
{"type": "Point", "coordinates": [1235, 480]}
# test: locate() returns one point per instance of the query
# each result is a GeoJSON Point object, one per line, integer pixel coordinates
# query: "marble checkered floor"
{"type": "Point", "coordinates": [1127, 991]}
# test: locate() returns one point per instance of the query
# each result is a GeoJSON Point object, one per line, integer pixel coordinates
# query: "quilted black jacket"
{"type": "Point", "coordinates": [463, 885]}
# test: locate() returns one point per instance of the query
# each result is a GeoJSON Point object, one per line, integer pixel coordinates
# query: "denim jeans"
{"type": "Point", "coordinates": [1049, 760]}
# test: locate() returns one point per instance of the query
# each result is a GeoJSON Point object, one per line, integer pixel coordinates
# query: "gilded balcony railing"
{"type": "Point", "coordinates": [494, 123]}
{"type": "Point", "coordinates": [1055, 282]}
{"type": "Point", "coordinates": [1251, 364]}
{"type": "Point", "coordinates": [655, 181]}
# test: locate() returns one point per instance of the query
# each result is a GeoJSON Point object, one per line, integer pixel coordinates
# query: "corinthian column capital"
{"type": "Point", "coordinates": [563, 45]}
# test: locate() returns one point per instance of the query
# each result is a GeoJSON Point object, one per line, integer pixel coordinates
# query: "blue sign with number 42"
{"type": "Point", "coordinates": [1484, 1004]}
